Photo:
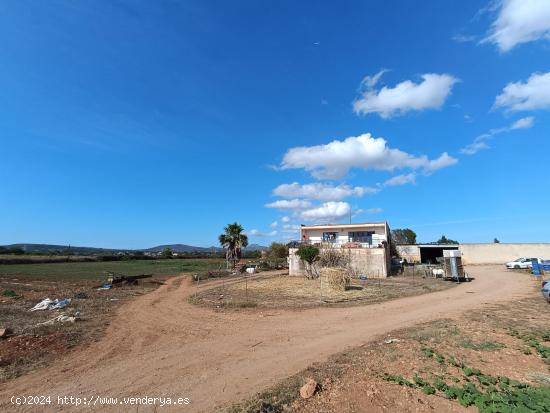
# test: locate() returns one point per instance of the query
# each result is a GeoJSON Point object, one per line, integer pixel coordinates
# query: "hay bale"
{"type": "Point", "coordinates": [337, 278]}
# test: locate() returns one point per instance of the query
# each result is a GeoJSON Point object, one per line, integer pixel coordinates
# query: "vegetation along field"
{"type": "Point", "coordinates": [96, 270]}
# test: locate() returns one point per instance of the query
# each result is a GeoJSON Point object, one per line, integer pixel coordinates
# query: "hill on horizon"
{"type": "Point", "coordinates": [52, 248]}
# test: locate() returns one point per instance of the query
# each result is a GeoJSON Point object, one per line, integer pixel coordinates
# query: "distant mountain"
{"type": "Point", "coordinates": [256, 247]}
{"type": "Point", "coordinates": [50, 248]}
{"type": "Point", "coordinates": [182, 248]}
{"type": "Point", "coordinates": [191, 248]}
{"type": "Point", "coordinates": [47, 248]}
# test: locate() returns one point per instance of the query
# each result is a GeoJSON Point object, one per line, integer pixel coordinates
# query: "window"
{"type": "Point", "coordinates": [360, 236]}
{"type": "Point", "coordinates": [330, 236]}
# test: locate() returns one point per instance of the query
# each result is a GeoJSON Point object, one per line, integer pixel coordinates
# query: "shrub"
{"type": "Point", "coordinates": [333, 258]}
{"type": "Point", "coordinates": [309, 254]}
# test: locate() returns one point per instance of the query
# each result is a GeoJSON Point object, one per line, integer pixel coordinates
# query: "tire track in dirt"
{"type": "Point", "coordinates": [161, 345]}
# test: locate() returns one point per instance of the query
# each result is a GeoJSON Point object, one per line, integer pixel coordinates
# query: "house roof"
{"type": "Point", "coordinates": [358, 225]}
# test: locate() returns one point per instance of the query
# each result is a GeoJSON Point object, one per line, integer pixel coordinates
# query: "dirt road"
{"type": "Point", "coordinates": [160, 345]}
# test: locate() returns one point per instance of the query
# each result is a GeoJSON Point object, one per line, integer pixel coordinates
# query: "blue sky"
{"type": "Point", "coordinates": [128, 124]}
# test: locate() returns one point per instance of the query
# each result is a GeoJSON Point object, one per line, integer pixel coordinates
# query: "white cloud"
{"type": "Point", "coordinates": [335, 159]}
{"type": "Point", "coordinates": [285, 219]}
{"type": "Point", "coordinates": [530, 95]}
{"type": "Point", "coordinates": [480, 142]}
{"type": "Point", "coordinates": [289, 204]}
{"type": "Point", "coordinates": [474, 147]}
{"type": "Point", "coordinates": [322, 192]}
{"type": "Point", "coordinates": [274, 224]}
{"type": "Point", "coordinates": [327, 211]}
{"type": "Point", "coordinates": [369, 82]}
{"type": "Point", "coordinates": [401, 180]}
{"type": "Point", "coordinates": [520, 21]}
{"type": "Point", "coordinates": [374, 211]}
{"type": "Point", "coordinates": [406, 96]}
{"type": "Point", "coordinates": [523, 123]}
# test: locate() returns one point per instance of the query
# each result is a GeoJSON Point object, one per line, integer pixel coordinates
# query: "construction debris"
{"type": "Point", "coordinates": [62, 318]}
{"type": "Point", "coordinates": [47, 304]}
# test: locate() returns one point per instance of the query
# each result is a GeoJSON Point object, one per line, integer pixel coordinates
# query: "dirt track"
{"type": "Point", "coordinates": [160, 345]}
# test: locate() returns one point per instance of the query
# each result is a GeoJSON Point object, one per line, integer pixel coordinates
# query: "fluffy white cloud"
{"type": "Point", "coordinates": [289, 204]}
{"type": "Point", "coordinates": [335, 159]}
{"type": "Point", "coordinates": [327, 211]}
{"type": "Point", "coordinates": [285, 219]}
{"type": "Point", "coordinates": [274, 224]}
{"type": "Point", "coordinates": [480, 142]}
{"type": "Point", "coordinates": [322, 192]}
{"type": "Point", "coordinates": [401, 180]}
{"type": "Point", "coordinates": [406, 96]}
{"type": "Point", "coordinates": [374, 211]}
{"type": "Point", "coordinates": [520, 21]}
{"type": "Point", "coordinates": [530, 95]}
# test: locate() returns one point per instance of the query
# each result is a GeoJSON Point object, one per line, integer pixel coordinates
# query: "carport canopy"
{"type": "Point", "coordinates": [430, 252]}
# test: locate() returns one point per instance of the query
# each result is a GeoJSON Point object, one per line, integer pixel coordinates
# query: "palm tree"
{"type": "Point", "coordinates": [233, 240]}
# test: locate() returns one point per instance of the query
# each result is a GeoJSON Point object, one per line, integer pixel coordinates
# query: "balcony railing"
{"type": "Point", "coordinates": [337, 244]}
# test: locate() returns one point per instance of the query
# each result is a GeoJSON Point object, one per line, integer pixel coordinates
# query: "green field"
{"type": "Point", "coordinates": [95, 270]}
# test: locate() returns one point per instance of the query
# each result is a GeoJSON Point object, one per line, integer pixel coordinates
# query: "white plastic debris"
{"type": "Point", "coordinates": [47, 304]}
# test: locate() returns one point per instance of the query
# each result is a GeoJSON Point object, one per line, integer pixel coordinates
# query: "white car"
{"type": "Point", "coordinates": [522, 263]}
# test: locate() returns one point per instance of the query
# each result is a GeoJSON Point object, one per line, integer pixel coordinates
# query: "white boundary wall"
{"type": "Point", "coordinates": [502, 253]}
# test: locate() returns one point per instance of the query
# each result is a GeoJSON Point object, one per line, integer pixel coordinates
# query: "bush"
{"type": "Point", "coordinates": [309, 254]}
{"type": "Point", "coordinates": [333, 258]}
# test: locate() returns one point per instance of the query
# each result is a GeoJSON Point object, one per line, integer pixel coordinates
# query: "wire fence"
{"type": "Point", "coordinates": [276, 289]}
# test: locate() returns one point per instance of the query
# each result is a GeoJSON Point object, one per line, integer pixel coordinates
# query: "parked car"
{"type": "Point", "coordinates": [521, 263]}
{"type": "Point", "coordinates": [546, 290]}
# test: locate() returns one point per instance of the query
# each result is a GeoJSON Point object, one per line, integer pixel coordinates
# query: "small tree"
{"type": "Point", "coordinates": [445, 240]}
{"type": "Point", "coordinates": [309, 254]}
{"type": "Point", "coordinates": [403, 236]}
{"type": "Point", "coordinates": [167, 253]}
{"type": "Point", "coordinates": [277, 251]}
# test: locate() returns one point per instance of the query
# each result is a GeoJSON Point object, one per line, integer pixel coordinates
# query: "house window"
{"type": "Point", "coordinates": [330, 236]}
{"type": "Point", "coordinates": [360, 236]}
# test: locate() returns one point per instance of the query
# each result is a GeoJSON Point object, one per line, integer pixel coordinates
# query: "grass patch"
{"type": "Point", "coordinates": [283, 291]}
{"type": "Point", "coordinates": [482, 345]}
{"type": "Point", "coordinates": [95, 270]}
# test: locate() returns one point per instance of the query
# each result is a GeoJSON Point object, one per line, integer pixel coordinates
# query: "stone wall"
{"type": "Point", "coordinates": [372, 262]}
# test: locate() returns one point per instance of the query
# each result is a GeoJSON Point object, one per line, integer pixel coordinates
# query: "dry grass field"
{"type": "Point", "coordinates": [282, 291]}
